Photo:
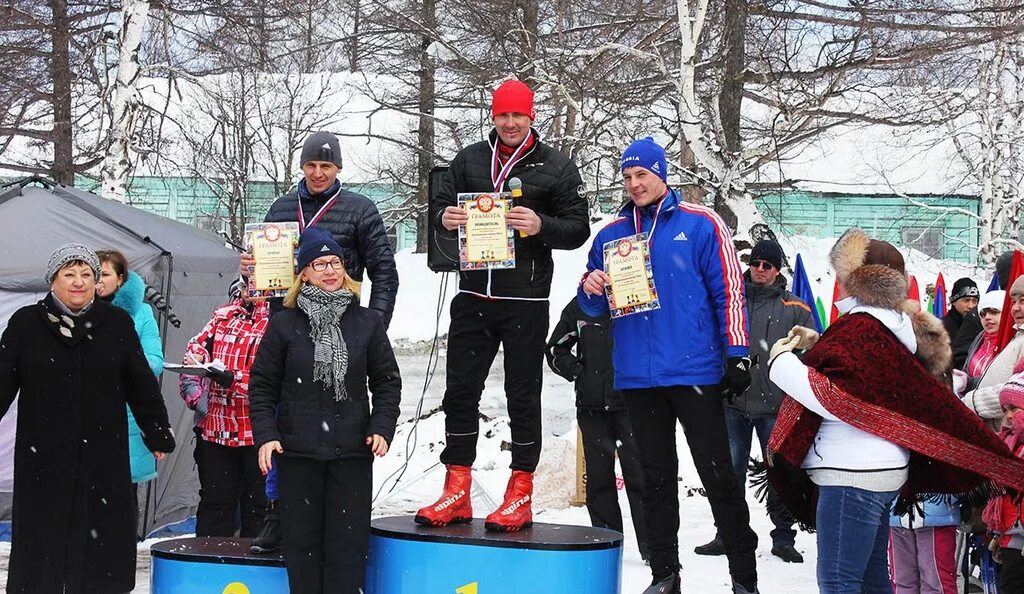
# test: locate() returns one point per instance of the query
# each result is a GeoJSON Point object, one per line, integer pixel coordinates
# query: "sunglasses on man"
{"type": "Point", "coordinates": [762, 265]}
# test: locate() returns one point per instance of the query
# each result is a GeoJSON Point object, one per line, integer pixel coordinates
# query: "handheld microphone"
{"type": "Point", "coordinates": [515, 185]}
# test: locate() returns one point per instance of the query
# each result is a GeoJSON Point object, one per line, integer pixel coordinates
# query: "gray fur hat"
{"type": "Point", "coordinates": [69, 253]}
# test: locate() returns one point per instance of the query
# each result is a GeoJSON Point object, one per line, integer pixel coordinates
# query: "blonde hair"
{"type": "Point", "coordinates": [291, 299]}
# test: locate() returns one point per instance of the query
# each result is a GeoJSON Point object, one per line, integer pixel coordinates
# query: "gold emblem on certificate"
{"type": "Point", "coordinates": [273, 245]}
{"type": "Point", "coordinates": [486, 241]}
{"type": "Point", "coordinates": [627, 262]}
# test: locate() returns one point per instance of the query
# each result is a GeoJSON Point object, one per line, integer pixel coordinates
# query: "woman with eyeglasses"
{"type": "Point", "coordinates": [312, 417]}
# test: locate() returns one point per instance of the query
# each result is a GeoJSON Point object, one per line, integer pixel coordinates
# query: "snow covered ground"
{"type": "Point", "coordinates": [554, 486]}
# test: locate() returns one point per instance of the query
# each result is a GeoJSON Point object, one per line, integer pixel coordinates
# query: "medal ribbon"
{"type": "Point", "coordinates": [638, 221]}
{"type": "Point", "coordinates": [499, 173]}
{"type": "Point", "coordinates": [319, 214]}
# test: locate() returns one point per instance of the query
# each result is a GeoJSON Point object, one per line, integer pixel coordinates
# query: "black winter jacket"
{"type": "Point", "coordinates": [970, 328]}
{"type": "Point", "coordinates": [591, 366]}
{"type": "Point", "coordinates": [288, 406]}
{"type": "Point", "coordinates": [952, 321]}
{"type": "Point", "coordinates": [72, 478]}
{"type": "Point", "coordinates": [772, 311]}
{"type": "Point", "coordinates": [359, 230]}
{"type": "Point", "coordinates": [552, 188]}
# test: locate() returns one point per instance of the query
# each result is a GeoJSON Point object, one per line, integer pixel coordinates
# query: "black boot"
{"type": "Point", "coordinates": [787, 553]}
{"type": "Point", "coordinates": [741, 589]}
{"type": "Point", "coordinates": [669, 585]}
{"type": "Point", "coordinates": [269, 538]}
{"type": "Point", "coordinates": [714, 548]}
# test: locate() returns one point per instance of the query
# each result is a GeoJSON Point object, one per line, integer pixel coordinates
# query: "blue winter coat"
{"type": "Point", "coordinates": [130, 297]}
{"type": "Point", "coordinates": [702, 319]}
{"type": "Point", "coordinates": [929, 514]}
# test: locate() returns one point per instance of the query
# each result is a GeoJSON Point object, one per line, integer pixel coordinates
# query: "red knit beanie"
{"type": "Point", "coordinates": [512, 96]}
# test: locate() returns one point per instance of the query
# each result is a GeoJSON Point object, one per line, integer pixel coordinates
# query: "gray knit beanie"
{"type": "Point", "coordinates": [321, 146]}
{"type": "Point", "coordinates": [70, 253]}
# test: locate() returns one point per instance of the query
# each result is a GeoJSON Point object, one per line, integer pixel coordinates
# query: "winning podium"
{"type": "Point", "coordinates": [406, 558]}
{"type": "Point", "coordinates": [215, 566]}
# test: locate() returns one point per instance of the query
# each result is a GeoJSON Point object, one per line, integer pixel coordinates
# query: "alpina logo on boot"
{"type": "Point", "coordinates": [451, 500]}
{"type": "Point", "coordinates": [515, 505]}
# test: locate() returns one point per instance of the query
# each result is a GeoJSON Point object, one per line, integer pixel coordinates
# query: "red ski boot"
{"type": "Point", "coordinates": [516, 512]}
{"type": "Point", "coordinates": [454, 506]}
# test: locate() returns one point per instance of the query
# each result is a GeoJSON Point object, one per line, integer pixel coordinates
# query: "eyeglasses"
{"type": "Point", "coordinates": [762, 265]}
{"type": "Point", "coordinates": [322, 266]}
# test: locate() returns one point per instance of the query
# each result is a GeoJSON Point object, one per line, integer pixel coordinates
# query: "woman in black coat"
{"type": "Point", "coordinates": [76, 361]}
{"type": "Point", "coordinates": [312, 418]}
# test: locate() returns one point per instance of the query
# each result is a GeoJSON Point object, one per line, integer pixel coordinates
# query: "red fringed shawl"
{"type": "Point", "coordinates": [866, 377]}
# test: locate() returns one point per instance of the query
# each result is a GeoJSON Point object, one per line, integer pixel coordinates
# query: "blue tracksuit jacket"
{"type": "Point", "coordinates": [702, 319]}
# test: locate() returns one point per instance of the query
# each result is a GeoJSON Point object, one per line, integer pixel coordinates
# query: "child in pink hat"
{"type": "Point", "coordinates": [1003, 513]}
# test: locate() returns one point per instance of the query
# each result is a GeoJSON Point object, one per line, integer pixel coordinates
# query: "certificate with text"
{"type": "Point", "coordinates": [486, 241]}
{"type": "Point", "coordinates": [627, 262]}
{"type": "Point", "coordinates": [273, 245]}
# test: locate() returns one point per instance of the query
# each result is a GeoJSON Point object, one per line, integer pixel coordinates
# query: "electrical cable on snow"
{"type": "Point", "coordinates": [411, 440]}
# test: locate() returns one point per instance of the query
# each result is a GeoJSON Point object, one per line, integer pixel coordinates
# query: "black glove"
{"type": "Point", "coordinates": [567, 367]}
{"type": "Point", "coordinates": [737, 377]}
{"type": "Point", "coordinates": [223, 379]}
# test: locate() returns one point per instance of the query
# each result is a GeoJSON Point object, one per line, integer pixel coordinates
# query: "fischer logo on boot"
{"type": "Point", "coordinates": [515, 505]}
{"type": "Point", "coordinates": [451, 500]}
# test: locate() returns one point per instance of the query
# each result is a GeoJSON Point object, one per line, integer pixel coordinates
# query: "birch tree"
{"type": "Point", "coordinates": [119, 159]}
{"type": "Point", "coordinates": [985, 124]}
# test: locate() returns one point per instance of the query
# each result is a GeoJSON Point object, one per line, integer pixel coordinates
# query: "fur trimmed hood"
{"type": "Point", "coordinates": [933, 346]}
{"type": "Point", "coordinates": [872, 271]}
{"type": "Point", "coordinates": [131, 295]}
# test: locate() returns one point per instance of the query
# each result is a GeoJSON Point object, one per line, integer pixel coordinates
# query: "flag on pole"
{"type": "Point", "coordinates": [939, 305]}
{"type": "Point", "coordinates": [1006, 329]}
{"type": "Point", "coordinates": [802, 289]}
{"type": "Point", "coordinates": [820, 308]}
{"type": "Point", "coordinates": [834, 314]}
{"type": "Point", "coordinates": [994, 285]}
{"type": "Point", "coordinates": [914, 293]}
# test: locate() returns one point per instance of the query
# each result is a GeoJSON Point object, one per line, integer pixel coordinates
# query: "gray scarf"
{"type": "Point", "coordinates": [330, 353]}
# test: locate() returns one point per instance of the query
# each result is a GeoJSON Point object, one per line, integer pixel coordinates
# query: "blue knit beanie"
{"type": "Point", "coordinates": [647, 154]}
{"type": "Point", "coordinates": [315, 242]}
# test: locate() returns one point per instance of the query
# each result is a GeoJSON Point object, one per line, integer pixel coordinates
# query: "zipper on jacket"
{"type": "Point", "coordinates": [532, 264]}
{"type": "Point", "coordinates": [488, 291]}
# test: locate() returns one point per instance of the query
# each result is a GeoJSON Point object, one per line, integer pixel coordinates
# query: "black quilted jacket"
{"type": "Point", "coordinates": [357, 227]}
{"type": "Point", "coordinates": [552, 187]}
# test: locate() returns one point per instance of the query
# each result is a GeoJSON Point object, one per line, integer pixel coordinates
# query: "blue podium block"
{"type": "Point", "coordinates": [406, 558]}
{"type": "Point", "coordinates": [215, 566]}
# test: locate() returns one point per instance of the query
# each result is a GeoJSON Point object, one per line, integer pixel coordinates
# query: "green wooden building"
{"type": "Point", "coordinates": [923, 222]}
{"type": "Point", "coordinates": [195, 202]}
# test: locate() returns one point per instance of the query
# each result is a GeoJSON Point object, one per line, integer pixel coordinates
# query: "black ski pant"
{"type": "Point", "coordinates": [231, 486]}
{"type": "Point", "coordinates": [1011, 572]}
{"type": "Point", "coordinates": [325, 522]}
{"type": "Point", "coordinates": [604, 434]}
{"type": "Point", "coordinates": [478, 327]}
{"type": "Point", "coordinates": [654, 413]}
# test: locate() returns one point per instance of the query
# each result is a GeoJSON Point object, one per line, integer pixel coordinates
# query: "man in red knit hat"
{"type": "Point", "coordinates": [504, 307]}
